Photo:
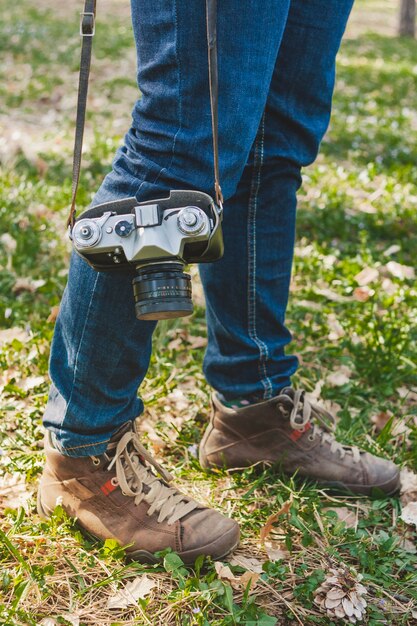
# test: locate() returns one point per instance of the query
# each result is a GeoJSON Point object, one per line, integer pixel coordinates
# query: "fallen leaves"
{"type": "Point", "coordinates": [27, 284]}
{"type": "Point", "coordinates": [51, 319]}
{"type": "Point", "coordinates": [336, 329]}
{"type": "Point", "coordinates": [272, 519]}
{"type": "Point", "coordinates": [408, 490]}
{"type": "Point", "coordinates": [14, 491]}
{"type": "Point", "coordinates": [182, 340]}
{"type": "Point", "coordinates": [242, 582]}
{"type": "Point", "coordinates": [272, 539]}
{"type": "Point", "coordinates": [381, 419]}
{"type": "Point", "coordinates": [366, 276]}
{"type": "Point", "coordinates": [362, 294]}
{"type": "Point", "coordinates": [136, 589]}
{"type": "Point", "coordinates": [403, 272]}
{"type": "Point", "coordinates": [345, 515]}
{"type": "Point", "coordinates": [339, 377]}
{"type": "Point", "coordinates": [11, 334]}
{"type": "Point", "coordinates": [276, 550]}
{"type": "Point", "coordinates": [249, 563]}
{"type": "Point", "coordinates": [409, 514]}
{"type": "Point", "coordinates": [69, 618]}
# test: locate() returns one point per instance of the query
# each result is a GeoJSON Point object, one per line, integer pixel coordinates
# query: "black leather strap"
{"type": "Point", "coordinates": [211, 15]}
{"type": "Point", "coordinates": [87, 30]}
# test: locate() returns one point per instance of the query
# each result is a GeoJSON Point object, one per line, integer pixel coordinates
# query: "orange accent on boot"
{"type": "Point", "coordinates": [296, 434]}
{"type": "Point", "coordinates": [108, 487]}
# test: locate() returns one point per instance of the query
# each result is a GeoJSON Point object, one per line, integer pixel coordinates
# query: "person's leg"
{"type": "Point", "coordinates": [247, 290]}
{"type": "Point", "coordinates": [100, 352]}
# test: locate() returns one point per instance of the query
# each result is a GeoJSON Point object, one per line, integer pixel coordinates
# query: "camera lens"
{"type": "Point", "coordinates": [162, 291]}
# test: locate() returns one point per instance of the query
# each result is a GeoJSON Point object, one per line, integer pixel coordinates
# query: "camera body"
{"type": "Point", "coordinates": [155, 240]}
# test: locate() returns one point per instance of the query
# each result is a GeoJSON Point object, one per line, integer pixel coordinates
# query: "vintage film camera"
{"type": "Point", "coordinates": [155, 240]}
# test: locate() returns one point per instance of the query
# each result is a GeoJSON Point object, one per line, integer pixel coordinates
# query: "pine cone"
{"type": "Point", "coordinates": [341, 596]}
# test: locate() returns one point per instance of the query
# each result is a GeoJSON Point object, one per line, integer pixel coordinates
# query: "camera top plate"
{"type": "Point", "coordinates": [206, 251]}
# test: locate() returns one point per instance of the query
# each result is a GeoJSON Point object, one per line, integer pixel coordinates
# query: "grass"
{"type": "Point", "coordinates": [357, 212]}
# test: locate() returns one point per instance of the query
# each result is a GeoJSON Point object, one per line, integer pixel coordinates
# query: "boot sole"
{"type": "Point", "coordinates": [387, 489]}
{"type": "Point", "coordinates": [147, 558]}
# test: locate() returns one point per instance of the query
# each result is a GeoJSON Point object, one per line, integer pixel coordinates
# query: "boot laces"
{"type": "Point", "coordinates": [300, 415]}
{"type": "Point", "coordinates": [138, 481]}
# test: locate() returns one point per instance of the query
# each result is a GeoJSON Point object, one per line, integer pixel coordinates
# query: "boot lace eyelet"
{"type": "Point", "coordinates": [96, 461]}
{"type": "Point", "coordinates": [311, 437]}
{"type": "Point", "coordinates": [114, 481]}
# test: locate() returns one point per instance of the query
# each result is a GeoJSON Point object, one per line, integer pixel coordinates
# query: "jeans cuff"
{"type": "Point", "coordinates": [95, 448]}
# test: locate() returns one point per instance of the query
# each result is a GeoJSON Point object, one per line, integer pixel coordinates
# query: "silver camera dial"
{"type": "Point", "coordinates": [86, 233]}
{"type": "Point", "coordinates": [191, 220]}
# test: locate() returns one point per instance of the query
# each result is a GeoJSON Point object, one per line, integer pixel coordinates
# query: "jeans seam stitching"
{"type": "Point", "coordinates": [253, 205]}
{"type": "Point", "coordinates": [78, 353]}
{"type": "Point", "coordinates": [174, 141]}
{"type": "Point", "coordinates": [85, 445]}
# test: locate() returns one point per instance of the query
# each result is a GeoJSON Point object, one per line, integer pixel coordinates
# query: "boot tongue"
{"type": "Point", "coordinates": [287, 391]}
{"type": "Point", "coordinates": [112, 445]}
{"type": "Point", "coordinates": [124, 428]}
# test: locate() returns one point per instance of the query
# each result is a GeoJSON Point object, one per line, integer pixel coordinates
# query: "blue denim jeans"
{"type": "Point", "coordinates": [276, 78]}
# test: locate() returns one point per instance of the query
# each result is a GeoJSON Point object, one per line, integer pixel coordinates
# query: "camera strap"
{"type": "Point", "coordinates": [87, 31]}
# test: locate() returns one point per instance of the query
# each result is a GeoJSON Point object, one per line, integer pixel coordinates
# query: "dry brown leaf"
{"type": "Point", "coordinates": [197, 342]}
{"type": "Point", "coordinates": [9, 334]}
{"type": "Point", "coordinates": [381, 419]}
{"type": "Point", "coordinates": [392, 250]}
{"type": "Point", "coordinates": [407, 394]}
{"type": "Point", "coordinates": [176, 344]}
{"type": "Point", "coordinates": [339, 377]}
{"type": "Point", "coordinates": [335, 328]}
{"type": "Point", "coordinates": [409, 514]}
{"type": "Point", "coordinates": [248, 578]}
{"type": "Point", "coordinates": [32, 382]}
{"type": "Point", "coordinates": [53, 314]}
{"type": "Point", "coordinates": [331, 295]}
{"type": "Point", "coordinates": [27, 284]}
{"type": "Point", "coordinates": [8, 243]}
{"type": "Point", "coordinates": [366, 276]}
{"type": "Point", "coordinates": [362, 294]}
{"type": "Point", "coordinates": [178, 399]}
{"type": "Point", "coordinates": [276, 550]}
{"type": "Point", "coordinates": [269, 525]}
{"type": "Point", "coordinates": [400, 271]}
{"type": "Point", "coordinates": [401, 427]}
{"type": "Point", "coordinates": [408, 491]}
{"type": "Point", "coordinates": [249, 563]}
{"type": "Point", "coordinates": [14, 491]}
{"type": "Point", "coordinates": [140, 587]}
{"type": "Point", "coordinates": [408, 545]}
{"type": "Point", "coordinates": [389, 287]}
{"type": "Point", "coordinates": [223, 571]}
{"type": "Point", "coordinates": [237, 582]}
{"type": "Point", "coordinates": [47, 621]}
{"type": "Point", "coordinates": [345, 515]}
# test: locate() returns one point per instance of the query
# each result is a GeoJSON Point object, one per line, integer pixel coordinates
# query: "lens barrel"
{"type": "Point", "coordinates": [162, 291]}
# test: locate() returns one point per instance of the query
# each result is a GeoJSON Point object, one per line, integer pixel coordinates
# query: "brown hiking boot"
{"type": "Point", "coordinates": [280, 430]}
{"type": "Point", "coordinates": [117, 495]}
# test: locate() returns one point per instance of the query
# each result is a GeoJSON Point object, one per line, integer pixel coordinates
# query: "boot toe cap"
{"type": "Point", "coordinates": [207, 532]}
{"type": "Point", "coordinates": [383, 475]}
